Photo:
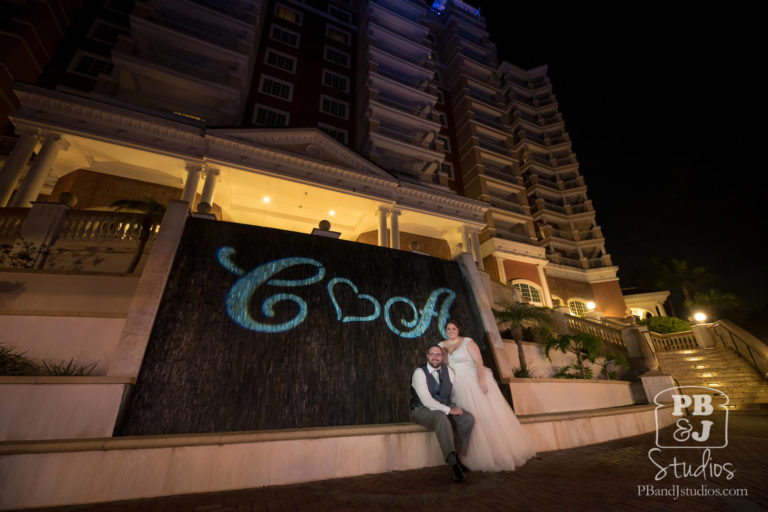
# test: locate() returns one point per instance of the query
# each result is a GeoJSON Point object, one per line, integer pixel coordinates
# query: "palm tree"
{"type": "Point", "coordinates": [676, 274]}
{"type": "Point", "coordinates": [153, 212]}
{"type": "Point", "coordinates": [714, 302]}
{"type": "Point", "coordinates": [518, 315]}
{"type": "Point", "coordinates": [583, 345]}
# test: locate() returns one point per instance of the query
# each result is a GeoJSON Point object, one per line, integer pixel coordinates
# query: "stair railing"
{"type": "Point", "coordinates": [674, 341]}
{"type": "Point", "coordinates": [754, 351]}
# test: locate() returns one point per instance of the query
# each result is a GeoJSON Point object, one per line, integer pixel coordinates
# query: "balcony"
{"type": "Point", "coordinates": [502, 173]}
{"type": "Point", "coordinates": [547, 231]}
{"type": "Point", "coordinates": [509, 206]}
{"type": "Point", "coordinates": [493, 145]}
{"type": "Point", "coordinates": [511, 235]}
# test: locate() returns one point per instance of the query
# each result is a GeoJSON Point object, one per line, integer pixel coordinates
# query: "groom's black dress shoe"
{"type": "Point", "coordinates": [456, 473]}
{"type": "Point", "coordinates": [464, 468]}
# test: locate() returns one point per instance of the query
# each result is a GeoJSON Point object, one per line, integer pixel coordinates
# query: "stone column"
{"type": "Point", "coordinates": [544, 285]}
{"type": "Point", "coordinates": [30, 187]}
{"type": "Point", "coordinates": [476, 249]}
{"type": "Point", "coordinates": [211, 177]}
{"type": "Point", "coordinates": [466, 246]}
{"type": "Point", "coordinates": [394, 229]}
{"type": "Point", "coordinates": [190, 186]}
{"type": "Point", "coordinates": [14, 166]}
{"type": "Point", "coordinates": [383, 239]}
{"type": "Point", "coordinates": [502, 272]}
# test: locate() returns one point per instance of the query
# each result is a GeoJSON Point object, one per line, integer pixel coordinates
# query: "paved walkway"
{"type": "Point", "coordinates": [606, 476]}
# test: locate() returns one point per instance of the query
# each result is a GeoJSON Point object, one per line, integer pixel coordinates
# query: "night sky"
{"type": "Point", "coordinates": [667, 122]}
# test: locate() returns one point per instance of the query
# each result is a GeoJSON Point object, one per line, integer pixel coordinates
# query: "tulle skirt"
{"type": "Point", "coordinates": [498, 442]}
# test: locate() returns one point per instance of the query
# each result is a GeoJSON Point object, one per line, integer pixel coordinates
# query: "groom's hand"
{"type": "Point", "coordinates": [457, 411]}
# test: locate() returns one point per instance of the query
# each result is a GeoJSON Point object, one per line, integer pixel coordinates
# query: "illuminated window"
{"type": "Point", "coordinates": [334, 107]}
{"type": "Point", "coordinates": [340, 14]}
{"type": "Point", "coordinates": [280, 60]}
{"type": "Point", "coordinates": [274, 87]}
{"type": "Point", "coordinates": [269, 117]}
{"type": "Point", "coordinates": [337, 133]}
{"type": "Point", "coordinates": [578, 307]}
{"type": "Point", "coordinates": [288, 14]}
{"type": "Point", "coordinates": [284, 36]}
{"type": "Point", "coordinates": [335, 80]}
{"type": "Point", "coordinates": [338, 35]}
{"type": "Point", "coordinates": [336, 56]}
{"type": "Point", "coordinates": [529, 291]}
{"type": "Point", "coordinates": [90, 65]}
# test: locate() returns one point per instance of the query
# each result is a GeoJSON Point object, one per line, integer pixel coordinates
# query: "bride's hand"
{"type": "Point", "coordinates": [483, 387]}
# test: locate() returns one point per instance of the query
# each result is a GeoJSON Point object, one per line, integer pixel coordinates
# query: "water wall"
{"type": "Point", "coordinates": [266, 329]}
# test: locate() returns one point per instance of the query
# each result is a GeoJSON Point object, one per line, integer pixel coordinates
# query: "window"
{"type": "Point", "coordinates": [337, 133]}
{"type": "Point", "coordinates": [288, 14]}
{"type": "Point", "coordinates": [443, 120]}
{"type": "Point", "coordinates": [557, 301]}
{"type": "Point", "coordinates": [284, 35]}
{"type": "Point", "coordinates": [274, 87]}
{"type": "Point", "coordinates": [336, 56]}
{"type": "Point", "coordinates": [90, 65]}
{"type": "Point", "coordinates": [339, 14]}
{"type": "Point", "coordinates": [335, 80]}
{"type": "Point", "coordinates": [334, 107]}
{"type": "Point", "coordinates": [440, 97]}
{"type": "Point", "coordinates": [269, 117]}
{"type": "Point", "coordinates": [280, 60]}
{"type": "Point", "coordinates": [529, 291]}
{"type": "Point", "coordinates": [446, 143]}
{"type": "Point", "coordinates": [446, 169]}
{"type": "Point", "coordinates": [105, 32]}
{"type": "Point", "coordinates": [577, 306]}
{"type": "Point", "coordinates": [338, 35]}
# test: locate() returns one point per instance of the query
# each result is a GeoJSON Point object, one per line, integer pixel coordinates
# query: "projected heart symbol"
{"type": "Point", "coordinates": [377, 307]}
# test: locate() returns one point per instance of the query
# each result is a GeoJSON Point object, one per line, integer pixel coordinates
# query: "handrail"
{"type": "Point", "coordinates": [673, 341]}
{"type": "Point", "coordinates": [609, 334]}
{"type": "Point", "coordinates": [753, 350]}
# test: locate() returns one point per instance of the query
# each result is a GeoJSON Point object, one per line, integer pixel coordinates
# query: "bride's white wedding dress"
{"type": "Point", "coordinates": [498, 442]}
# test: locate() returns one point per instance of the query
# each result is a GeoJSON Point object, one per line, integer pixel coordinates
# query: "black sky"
{"type": "Point", "coordinates": [666, 114]}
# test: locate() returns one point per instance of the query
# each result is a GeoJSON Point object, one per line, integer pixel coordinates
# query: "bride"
{"type": "Point", "coordinates": [499, 442]}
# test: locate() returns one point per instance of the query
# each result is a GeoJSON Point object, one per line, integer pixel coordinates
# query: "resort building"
{"type": "Point", "coordinates": [391, 119]}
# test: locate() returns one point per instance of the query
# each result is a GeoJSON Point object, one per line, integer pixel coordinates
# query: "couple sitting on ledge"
{"type": "Point", "coordinates": [463, 398]}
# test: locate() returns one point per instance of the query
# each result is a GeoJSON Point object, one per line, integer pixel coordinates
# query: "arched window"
{"type": "Point", "coordinates": [530, 291]}
{"type": "Point", "coordinates": [578, 307]}
{"type": "Point", "coordinates": [557, 301]}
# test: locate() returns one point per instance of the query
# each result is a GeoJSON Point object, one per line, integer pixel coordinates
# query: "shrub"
{"type": "Point", "coordinates": [14, 364]}
{"type": "Point", "coordinates": [666, 324]}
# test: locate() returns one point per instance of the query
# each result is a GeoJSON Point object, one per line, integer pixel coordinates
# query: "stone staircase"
{"type": "Point", "coordinates": [707, 366]}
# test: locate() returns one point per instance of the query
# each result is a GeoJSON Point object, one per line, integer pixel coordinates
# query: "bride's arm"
{"type": "Point", "coordinates": [474, 351]}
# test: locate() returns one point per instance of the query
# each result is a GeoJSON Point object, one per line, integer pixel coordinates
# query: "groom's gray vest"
{"type": "Point", "coordinates": [440, 392]}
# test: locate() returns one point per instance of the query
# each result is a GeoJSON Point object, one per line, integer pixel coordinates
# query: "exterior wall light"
{"type": "Point", "coordinates": [700, 317]}
{"type": "Point", "coordinates": [591, 305]}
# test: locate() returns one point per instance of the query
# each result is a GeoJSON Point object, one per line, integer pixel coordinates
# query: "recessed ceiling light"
{"type": "Point", "coordinates": [267, 199]}
{"type": "Point", "coordinates": [332, 212]}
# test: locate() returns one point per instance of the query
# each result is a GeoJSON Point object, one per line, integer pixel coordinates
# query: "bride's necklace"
{"type": "Point", "coordinates": [450, 347]}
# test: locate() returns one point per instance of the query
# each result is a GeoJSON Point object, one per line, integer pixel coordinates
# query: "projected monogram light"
{"type": "Point", "coordinates": [239, 297]}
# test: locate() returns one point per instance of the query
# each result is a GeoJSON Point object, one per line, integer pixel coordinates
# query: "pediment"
{"type": "Point", "coordinates": [307, 143]}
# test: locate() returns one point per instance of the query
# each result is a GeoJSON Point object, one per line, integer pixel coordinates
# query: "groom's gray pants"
{"type": "Point", "coordinates": [444, 426]}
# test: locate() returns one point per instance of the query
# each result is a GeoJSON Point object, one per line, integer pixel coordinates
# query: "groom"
{"type": "Point", "coordinates": [432, 407]}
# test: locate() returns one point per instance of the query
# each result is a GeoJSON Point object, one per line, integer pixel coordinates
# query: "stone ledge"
{"type": "Point", "coordinates": [610, 411]}
{"type": "Point", "coordinates": [179, 440]}
{"type": "Point", "coordinates": [67, 380]}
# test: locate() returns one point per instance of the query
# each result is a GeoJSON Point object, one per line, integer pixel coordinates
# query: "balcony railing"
{"type": "Point", "coordinates": [493, 145]}
{"type": "Point", "coordinates": [511, 235]}
{"type": "Point", "coordinates": [497, 202]}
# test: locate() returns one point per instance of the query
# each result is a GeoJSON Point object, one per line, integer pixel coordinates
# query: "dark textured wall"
{"type": "Point", "coordinates": [210, 369]}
